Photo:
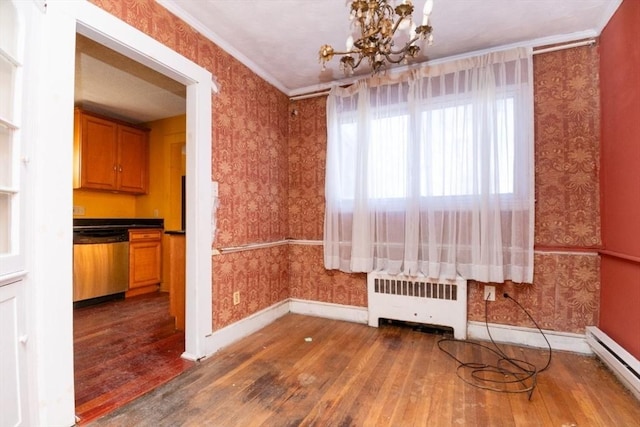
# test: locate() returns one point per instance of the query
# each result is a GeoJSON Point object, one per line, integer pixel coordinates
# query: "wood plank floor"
{"type": "Point", "coordinates": [123, 349]}
{"type": "Point", "coordinates": [354, 375]}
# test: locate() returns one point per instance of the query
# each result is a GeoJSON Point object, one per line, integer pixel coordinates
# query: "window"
{"type": "Point", "coordinates": [445, 139]}
{"type": "Point", "coordinates": [451, 140]}
{"type": "Point", "coordinates": [432, 172]}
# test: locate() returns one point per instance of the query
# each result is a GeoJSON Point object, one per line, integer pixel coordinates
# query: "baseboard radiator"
{"type": "Point", "coordinates": [623, 364]}
{"type": "Point", "coordinates": [418, 300]}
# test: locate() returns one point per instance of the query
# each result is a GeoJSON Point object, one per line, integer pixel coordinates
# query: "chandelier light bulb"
{"type": "Point", "coordinates": [428, 7]}
{"type": "Point", "coordinates": [412, 31]}
{"type": "Point", "coordinates": [349, 43]}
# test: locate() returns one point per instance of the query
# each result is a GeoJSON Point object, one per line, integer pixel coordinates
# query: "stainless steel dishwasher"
{"type": "Point", "coordinates": [100, 262]}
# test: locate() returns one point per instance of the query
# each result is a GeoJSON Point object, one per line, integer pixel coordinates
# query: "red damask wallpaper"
{"type": "Point", "coordinates": [269, 154]}
{"type": "Point", "coordinates": [250, 162]}
{"type": "Point", "coordinates": [307, 156]}
{"type": "Point", "coordinates": [261, 276]}
{"type": "Point", "coordinates": [567, 129]}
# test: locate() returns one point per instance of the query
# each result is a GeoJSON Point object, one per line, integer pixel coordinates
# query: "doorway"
{"type": "Point", "coordinates": [124, 348]}
{"type": "Point", "coordinates": [52, 199]}
{"type": "Point", "coordinates": [126, 40]}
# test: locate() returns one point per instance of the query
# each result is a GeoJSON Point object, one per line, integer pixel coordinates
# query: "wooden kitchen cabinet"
{"type": "Point", "coordinates": [174, 266]}
{"type": "Point", "coordinates": [110, 155]}
{"type": "Point", "coordinates": [145, 261]}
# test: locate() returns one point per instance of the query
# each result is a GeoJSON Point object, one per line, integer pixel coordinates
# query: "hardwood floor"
{"type": "Point", "coordinates": [305, 371]}
{"type": "Point", "coordinates": [123, 349]}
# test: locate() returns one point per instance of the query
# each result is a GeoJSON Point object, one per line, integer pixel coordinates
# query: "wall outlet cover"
{"type": "Point", "coordinates": [489, 293]}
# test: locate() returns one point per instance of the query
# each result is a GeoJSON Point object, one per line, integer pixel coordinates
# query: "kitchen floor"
{"type": "Point", "coordinates": [122, 350]}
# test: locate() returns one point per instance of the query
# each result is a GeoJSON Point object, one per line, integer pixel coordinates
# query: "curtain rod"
{"type": "Point", "coordinates": [589, 42]}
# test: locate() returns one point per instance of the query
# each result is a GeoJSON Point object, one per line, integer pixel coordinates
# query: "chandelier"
{"type": "Point", "coordinates": [376, 23]}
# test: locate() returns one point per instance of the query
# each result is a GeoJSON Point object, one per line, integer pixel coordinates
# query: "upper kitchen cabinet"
{"type": "Point", "coordinates": [110, 155]}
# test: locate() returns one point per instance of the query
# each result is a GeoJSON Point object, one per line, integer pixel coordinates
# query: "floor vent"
{"type": "Point", "coordinates": [418, 300]}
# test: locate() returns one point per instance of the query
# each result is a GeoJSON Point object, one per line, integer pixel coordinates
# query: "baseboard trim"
{"type": "Point", "coordinates": [516, 335]}
{"type": "Point", "coordinates": [506, 334]}
{"type": "Point", "coordinates": [245, 327]}
{"type": "Point", "coordinates": [348, 313]}
{"type": "Point", "coordinates": [623, 364]}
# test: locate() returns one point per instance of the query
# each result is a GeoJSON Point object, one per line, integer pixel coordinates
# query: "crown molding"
{"type": "Point", "coordinates": [194, 22]}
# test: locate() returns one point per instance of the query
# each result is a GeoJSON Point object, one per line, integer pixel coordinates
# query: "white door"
{"type": "Point", "coordinates": [15, 17]}
{"type": "Point", "coordinates": [13, 340]}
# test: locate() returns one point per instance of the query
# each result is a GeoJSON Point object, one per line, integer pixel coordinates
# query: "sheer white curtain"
{"type": "Point", "coordinates": [432, 172]}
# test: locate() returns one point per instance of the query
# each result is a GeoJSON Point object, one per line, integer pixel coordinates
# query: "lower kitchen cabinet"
{"type": "Point", "coordinates": [145, 261]}
{"type": "Point", "coordinates": [174, 266]}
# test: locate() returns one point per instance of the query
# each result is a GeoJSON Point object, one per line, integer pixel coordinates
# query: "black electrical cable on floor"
{"type": "Point", "coordinates": [507, 371]}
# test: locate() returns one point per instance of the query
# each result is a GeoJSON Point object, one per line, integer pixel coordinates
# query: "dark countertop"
{"type": "Point", "coordinates": [80, 223]}
{"type": "Point", "coordinates": [178, 232]}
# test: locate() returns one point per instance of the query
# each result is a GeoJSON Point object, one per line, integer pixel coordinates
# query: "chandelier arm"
{"type": "Point", "coordinates": [370, 34]}
{"type": "Point", "coordinates": [400, 52]}
{"type": "Point", "coordinates": [360, 57]}
{"type": "Point", "coordinates": [410, 43]}
{"type": "Point", "coordinates": [406, 46]}
{"type": "Point", "coordinates": [390, 59]}
{"type": "Point", "coordinates": [396, 25]}
{"type": "Point", "coordinates": [351, 52]}
{"type": "Point", "coordinates": [388, 8]}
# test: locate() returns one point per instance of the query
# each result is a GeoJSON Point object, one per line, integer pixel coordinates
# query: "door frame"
{"type": "Point", "coordinates": [50, 304]}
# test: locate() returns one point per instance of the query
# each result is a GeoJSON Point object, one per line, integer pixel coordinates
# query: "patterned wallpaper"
{"type": "Point", "coordinates": [567, 127]}
{"type": "Point", "coordinates": [307, 156]}
{"type": "Point", "coordinates": [261, 276]}
{"type": "Point", "coordinates": [269, 155]}
{"type": "Point", "coordinates": [565, 295]}
{"type": "Point", "coordinates": [309, 280]}
{"type": "Point", "coordinates": [250, 126]}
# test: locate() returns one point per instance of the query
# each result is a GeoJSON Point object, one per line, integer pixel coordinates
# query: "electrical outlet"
{"type": "Point", "coordinates": [489, 293]}
{"type": "Point", "coordinates": [78, 210]}
{"type": "Point", "coordinates": [236, 298]}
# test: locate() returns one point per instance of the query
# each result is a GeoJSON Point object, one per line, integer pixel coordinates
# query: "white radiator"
{"type": "Point", "coordinates": [419, 300]}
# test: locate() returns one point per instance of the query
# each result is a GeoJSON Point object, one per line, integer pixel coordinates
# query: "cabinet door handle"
{"type": "Point", "coordinates": [115, 168]}
{"type": "Point", "coordinates": [120, 168]}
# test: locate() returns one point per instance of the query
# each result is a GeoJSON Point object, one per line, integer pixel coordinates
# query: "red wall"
{"type": "Point", "coordinates": [620, 177]}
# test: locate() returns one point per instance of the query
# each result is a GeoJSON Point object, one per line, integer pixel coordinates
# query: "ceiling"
{"type": "Point", "coordinates": [279, 40]}
{"type": "Point", "coordinates": [109, 83]}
